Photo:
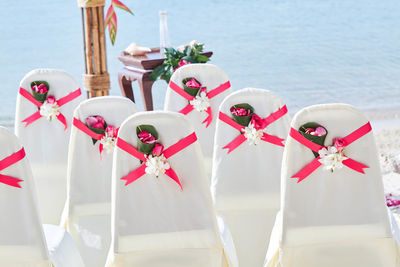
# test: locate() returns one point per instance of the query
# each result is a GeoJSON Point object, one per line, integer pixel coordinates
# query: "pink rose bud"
{"type": "Point", "coordinates": [258, 123]}
{"type": "Point", "coordinates": [111, 131]}
{"type": "Point", "coordinates": [320, 131]}
{"type": "Point", "coordinates": [158, 149]}
{"type": "Point", "coordinates": [51, 99]}
{"type": "Point", "coordinates": [95, 122]}
{"type": "Point", "coordinates": [183, 62]}
{"type": "Point", "coordinates": [41, 88]}
{"type": "Point", "coordinates": [339, 143]}
{"type": "Point", "coordinates": [203, 90]}
{"type": "Point", "coordinates": [309, 130]}
{"type": "Point", "coordinates": [240, 111]}
{"type": "Point", "coordinates": [146, 137]}
{"type": "Point", "coordinates": [192, 83]}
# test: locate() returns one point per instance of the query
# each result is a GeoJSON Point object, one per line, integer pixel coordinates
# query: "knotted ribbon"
{"type": "Point", "coordinates": [7, 162]}
{"type": "Point", "coordinates": [81, 126]}
{"type": "Point", "coordinates": [186, 110]}
{"type": "Point", "coordinates": [169, 152]}
{"type": "Point", "coordinates": [313, 165]}
{"type": "Point", "coordinates": [265, 137]}
{"type": "Point", "coordinates": [60, 102]}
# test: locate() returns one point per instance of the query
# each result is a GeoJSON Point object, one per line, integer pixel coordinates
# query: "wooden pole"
{"type": "Point", "coordinates": [96, 80]}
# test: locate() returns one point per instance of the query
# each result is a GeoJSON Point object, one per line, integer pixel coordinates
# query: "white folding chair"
{"type": "Point", "coordinates": [87, 211]}
{"type": "Point", "coordinates": [246, 180]}
{"type": "Point", "coordinates": [218, 87]}
{"type": "Point", "coordinates": [22, 241]}
{"type": "Point", "coordinates": [332, 214]}
{"type": "Point", "coordinates": [46, 142]}
{"type": "Point", "coordinates": [155, 222]}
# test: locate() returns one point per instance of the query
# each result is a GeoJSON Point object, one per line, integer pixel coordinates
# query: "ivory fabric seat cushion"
{"type": "Point", "coordinates": [154, 221]}
{"type": "Point", "coordinates": [211, 77]}
{"type": "Point", "coordinates": [246, 181]}
{"type": "Point", "coordinates": [333, 218]}
{"type": "Point", "coordinates": [87, 210]}
{"type": "Point", "coordinates": [46, 142]}
{"type": "Point", "coordinates": [22, 240]}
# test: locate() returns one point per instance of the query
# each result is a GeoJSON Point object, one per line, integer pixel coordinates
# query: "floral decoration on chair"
{"type": "Point", "coordinates": [108, 132]}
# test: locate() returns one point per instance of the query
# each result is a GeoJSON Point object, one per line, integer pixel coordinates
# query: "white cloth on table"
{"type": "Point", "coordinates": [334, 218]}
{"type": "Point", "coordinates": [87, 210]}
{"type": "Point", "coordinates": [154, 222]}
{"type": "Point", "coordinates": [46, 142]}
{"type": "Point", "coordinates": [211, 77]}
{"type": "Point", "coordinates": [22, 240]}
{"type": "Point", "coordinates": [246, 182]}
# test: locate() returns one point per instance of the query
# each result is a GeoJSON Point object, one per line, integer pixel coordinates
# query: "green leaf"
{"type": "Point", "coordinates": [202, 58]}
{"type": "Point", "coordinates": [157, 72]}
{"type": "Point", "coordinates": [243, 120]}
{"type": "Point", "coordinates": [319, 140]}
{"type": "Point", "coordinates": [143, 147]}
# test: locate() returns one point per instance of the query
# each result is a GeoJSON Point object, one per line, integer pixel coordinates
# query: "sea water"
{"type": "Point", "coordinates": [305, 51]}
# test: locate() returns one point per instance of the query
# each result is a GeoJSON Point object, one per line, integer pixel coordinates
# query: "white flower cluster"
{"type": "Point", "coordinates": [331, 158]}
{"type": "Point", "coordinates": [201, 102]}
{"type": "Point", "coordinates": [156, 165]}
{"type": "Point", "coordinates": [108, 143]}
{"type": "Point", "coordinates": [49, 111]}
{"type": "Point", "coordinates": [252, 134]}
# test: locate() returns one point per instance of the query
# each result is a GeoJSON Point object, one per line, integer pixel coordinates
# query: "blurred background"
{"type": "Point", "coordinates": [305, 51]}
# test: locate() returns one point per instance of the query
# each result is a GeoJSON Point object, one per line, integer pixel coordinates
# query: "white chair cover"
{"type": "Point", "coordinates": [335, 218]}
{"type": "Point", "coordinates": [154, 222]}
{"type": "Point", "coordinates": [246, 182]}
{"type": "Point", "coordinates": [87, 211]}
{"type": "Point", "coordinates": [22, 241]}
{"type": "Point", "coordinates": [46, 143]}
{"type": "Point", "coordinates": [211, 77]}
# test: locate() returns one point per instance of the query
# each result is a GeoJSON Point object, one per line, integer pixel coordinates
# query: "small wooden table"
{"type": "Point", "coordinates": [139, 68]}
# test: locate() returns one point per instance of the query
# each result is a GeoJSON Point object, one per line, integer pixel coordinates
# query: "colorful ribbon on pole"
{"type": "Point", "coordinates": [7, 162]}
{"type": "Point", "coordinates": [169, 152]}
{"type": "Point", "coordinates": [265, 137]}
{"type": "Point", "coordinates": [313, 165]}
{"type": "Point", "coordinates": [187, 109]}
{"type": "Point", "coordinates": [60, 102]}
{"type": "Point", "coordinates": [81, 126]}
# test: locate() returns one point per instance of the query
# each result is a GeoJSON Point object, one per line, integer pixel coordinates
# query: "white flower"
{"type": "Point", "coordinates": [252, 134]}
{"type": "Point", "coordinates": [156, 165]}
{"type": "Point", "coordinates": [201, 102]}
{"type": "Point", "coordinates": [108, 143]}
{"type": "Point", "coordinates": [49, 111]}
{"type": "Point", "coordinates": [331, 158]}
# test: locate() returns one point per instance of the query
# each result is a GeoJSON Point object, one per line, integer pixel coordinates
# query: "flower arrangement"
{"type": "Point", "coordinates": [191, 86]}
{"type": "Point", "coordinates": [244, 115]}
{"type": "Point", "coordinates": [315, 133]}
{"type": "Point", "coordinates": [98, 125]}
{"type": "Point", "coordinates": [147, 143]}
{"type": "Point", "coordinates": [49, 108]}
{"type": "Point", "coordinates": [332, 157]}
{"type": "Point", "coordinates": [176, 59]}
{"type": "Point", "coordinates": [111, 18]}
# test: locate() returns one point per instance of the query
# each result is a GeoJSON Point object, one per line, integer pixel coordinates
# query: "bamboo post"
{"type": "Point", "coordinates": [96, 80]}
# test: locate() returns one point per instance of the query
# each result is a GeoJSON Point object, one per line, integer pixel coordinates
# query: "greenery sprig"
{"type": "Point", "coordinates": [174, 59]}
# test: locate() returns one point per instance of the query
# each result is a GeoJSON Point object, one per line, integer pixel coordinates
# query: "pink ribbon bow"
{"type": "Point", "coordinates": [169, 152]}
{"type": "Point", "coordinates": [81, 126]}
{"type": "Point", "coordinates": [209, 95]}
{"type": "Point", "coordinates": [60, 102]}
{"type": "Point", "coordinates": [313, 165]}
{"type": "Point", "coordinates": [265, 137]}
{"type": "Point", "coordinates": [7, 162]}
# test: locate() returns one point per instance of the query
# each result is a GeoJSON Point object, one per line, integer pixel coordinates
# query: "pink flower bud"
{"type": "Point", "coordinates": [258, 123]}
{"type": "Point", "coordinates": [158, 149]}
{"type": "Point", "coordinates": [111, 131]}
{"type": "Point", "coordinates": [320, 131]}
{"type": "Point", "coordinates": [146, 137]}
{"type": "Point", "coordinates": [96, 122]}
{"type": "Point", "coordinates": [339, 143]}
{"type": "Point", "coordinates": [183, 62]}
{"type": "Point", "coordinates": [51, 99]}
{"type": "Point", "coordinates": [193, 84]}
{"type": "Point", "coordinates": [240, 111]}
